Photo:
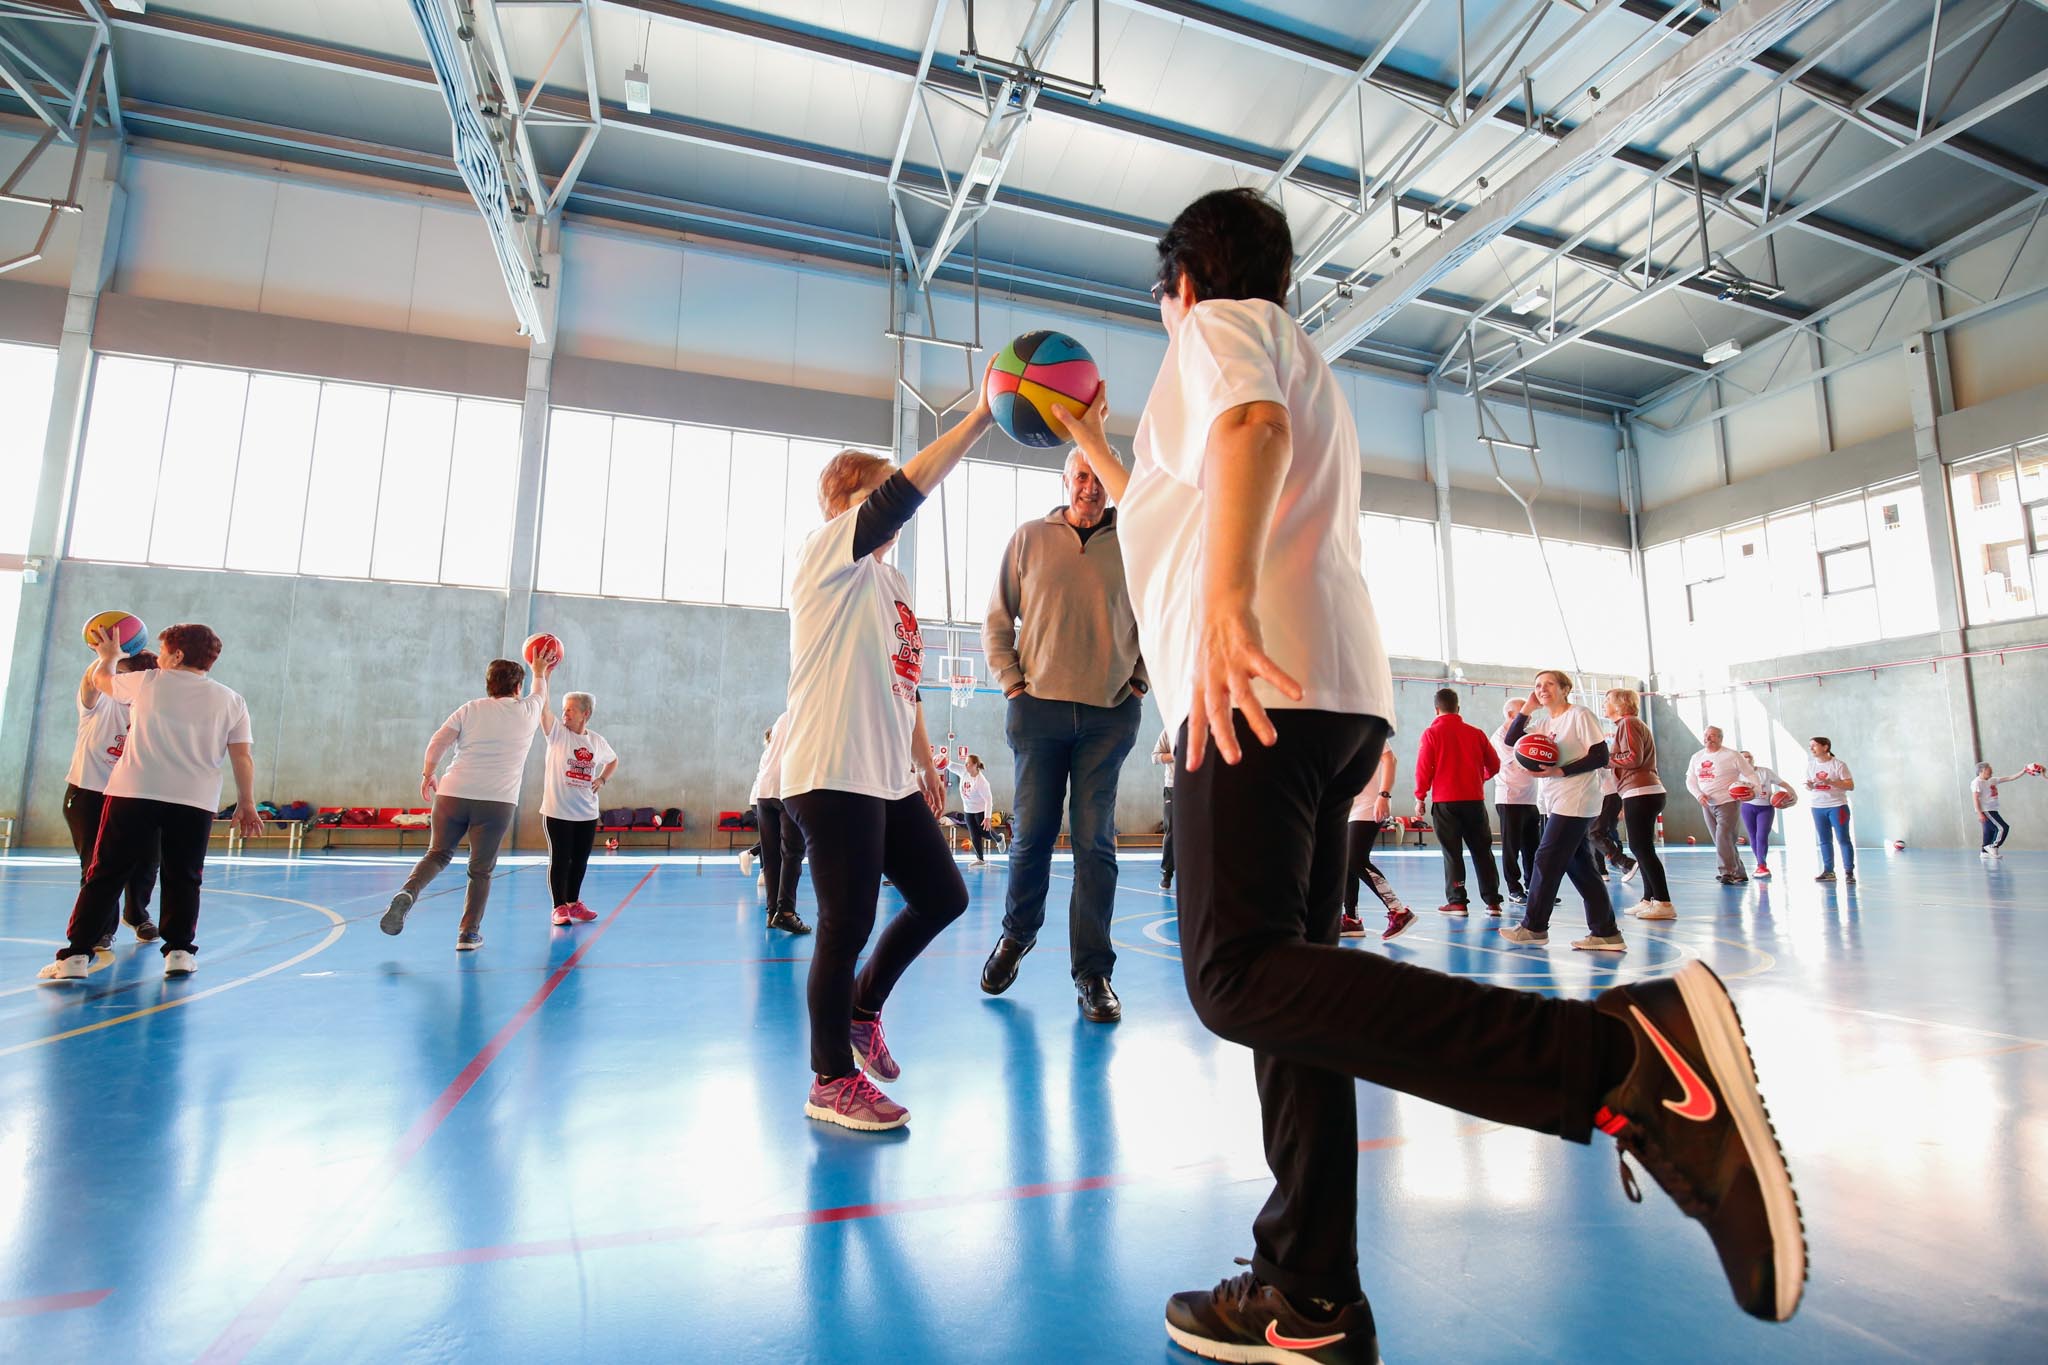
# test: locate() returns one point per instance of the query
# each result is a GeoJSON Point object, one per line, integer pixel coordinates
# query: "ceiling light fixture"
{"type": "Point", "coordinates": [1726, 350]}
{"type": "Point", "coordinates": [1529, 302]}
{"type": "Point", "coordinates": [639, 91]}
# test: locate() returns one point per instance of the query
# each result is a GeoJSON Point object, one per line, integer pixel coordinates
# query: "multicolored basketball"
{"type": "Point", "coordinates": [1536, 751]}
{"type": "Point", "coordinates": [127, 628]}
{"type": "Point", "coordinates": [1031, 374]}
{"type": "Point", "coordinates": [543, 643]}
{"type": "Point", "coordinates": [1783, 799]}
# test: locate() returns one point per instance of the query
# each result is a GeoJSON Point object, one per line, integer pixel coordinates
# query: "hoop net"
{"type": "Point", "coordinates": [962, 686]}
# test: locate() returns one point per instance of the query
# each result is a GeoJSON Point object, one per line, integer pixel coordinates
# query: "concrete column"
{"type": "Point", "coordinates": [1719, 429]}
{"type": "Point", "coordinates": [1632, 499]}
{"type": "Point", "coordinates": [1823, 414]}
{"type": "Point", "coordinates": [1923, 375]}
{"type": "Point", "coordinates": [535, 405]}
{"type": "Point", "coordinates": [1440, 472]}
{"type": "Point", "coordinates": [104, 205]}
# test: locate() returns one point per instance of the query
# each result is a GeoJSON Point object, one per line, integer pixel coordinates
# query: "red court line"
{"type": "Point", "coordinates": [255, 1321]}
{"type": "Point", "coordinates": [51, 1303]}
{"type": "Point", "coordinates": [847, 1213]}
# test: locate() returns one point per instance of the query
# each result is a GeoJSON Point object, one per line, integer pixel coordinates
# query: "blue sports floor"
{"type": "Point", "coordinates": [589, 1143]}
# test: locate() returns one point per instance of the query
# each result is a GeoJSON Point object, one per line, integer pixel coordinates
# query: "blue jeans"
{"type": "Point", "coordinates": [1832, 822]}
{"type": "Point", "coordinates": [1067, 754]}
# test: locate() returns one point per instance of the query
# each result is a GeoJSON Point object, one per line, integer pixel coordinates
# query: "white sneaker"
{"type": "Point", "coordinates": [1634, 870]}
{"type": "Point", "coordinates": [747, 863]}
{"type": "Point", "coordinates": [760, 881]}
{"type": "Point", "coordinates": [65, 969]}
{"type": "Point", "coordinates": [178, 962]}
{"type": "Point", "coordinates": [1655, 910]}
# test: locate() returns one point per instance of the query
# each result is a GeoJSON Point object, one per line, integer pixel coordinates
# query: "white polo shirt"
{"type": "Point", "coordinates": [1312, 606]}
{"type": "Point", "coordinates": [179, 728]}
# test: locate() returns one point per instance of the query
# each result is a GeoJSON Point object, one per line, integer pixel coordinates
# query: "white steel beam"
{"type": "Point", "coordinates": [1748, 28]}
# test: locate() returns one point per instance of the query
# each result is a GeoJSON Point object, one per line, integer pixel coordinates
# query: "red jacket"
{"type": "Point", "coordinates": [1454, 762]}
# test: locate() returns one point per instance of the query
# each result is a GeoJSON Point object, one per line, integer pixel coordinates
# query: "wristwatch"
{"type": "Point", "coordinates": [1386, 796]}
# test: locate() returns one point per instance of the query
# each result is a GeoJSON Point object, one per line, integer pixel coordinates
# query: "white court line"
{"type": "Point", "coordinates": [1928, 1023]}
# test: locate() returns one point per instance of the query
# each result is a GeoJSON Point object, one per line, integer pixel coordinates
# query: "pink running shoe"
{"type": "Point", "coordinates": [560, 917]}
{"type": "Point", "coordinates": [581, 913]}
{"type": "Point", "coordinates": [871, 1051]}
{"type": "Point", "coordinates": [853, 1102]}
{"type": "Point", "coordinates": [1398, 922]}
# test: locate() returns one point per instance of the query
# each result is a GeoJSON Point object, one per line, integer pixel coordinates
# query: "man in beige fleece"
{"type": "Point", "coordinates": [1062, 642]}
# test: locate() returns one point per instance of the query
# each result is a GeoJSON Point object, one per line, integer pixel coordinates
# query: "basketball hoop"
{"type": "Point", "coordinates": [962, 685]}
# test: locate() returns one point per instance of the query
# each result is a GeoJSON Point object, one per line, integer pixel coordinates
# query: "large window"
{"type": "Point", "coordinates": [639, 508]}
{"type": "Point", "coordinates": [206, 468]}
{"type": "Point", "coordinates": [1400, 560]}
{"type": "Point", "coordinates": [1508, 614]}
{"type": "Point", "coordinates": [982, 506]}
{"type": "Point", "coordinates": [1838, 572]}
{"type": "Point", "coordinates": [25, 376]}
{"type": "Point", "coordinates": [2000, 503]}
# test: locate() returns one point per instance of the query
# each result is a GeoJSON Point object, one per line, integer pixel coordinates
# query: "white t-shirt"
{"type": "Point", "coordinates": [855, 655]}
{"type": "Point", "coordinates": [976, 796]}
{"type": "Point", "coordinates": [1767, 783]}
{"type": "Point", "coordinates": [1607, 787]}
{"type": "Point", "coordinates": [768, 777]}
{"type": "Point", "coordinates": [1514, 785]}
{"type": "Point", "coordinates": [179, 727]}
{"type": "Point", "coordinates": [1710, 775]}
{"type": "Point", "coordinates": [1312, 606]}
{"type": "Point", "coordinates": [102, 735]}
{"type": "Point", "coordinates": [492, 736]}
{"type": "Point", "coordinates": [574, 762]}
{"type": "Point", "coordinates": [1825, 798]}
{"type": "Point", "coordinates": [1986, 792]}
{"type": "Point", "coordinates": [1575, 733]}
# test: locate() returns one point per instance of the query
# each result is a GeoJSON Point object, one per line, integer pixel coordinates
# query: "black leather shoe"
{"type": "Point", "coordinates": [1000, 971]}
{"type": "Point", "coordinates": [1099, 1004]}
{"type": "Point", "coordinates": [789, 922]}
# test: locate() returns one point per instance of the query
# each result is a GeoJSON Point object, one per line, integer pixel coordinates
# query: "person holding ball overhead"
{"type": "Point", "coordinates": [1242, 541]}
{"type": "Point", "coordinates": [1983, 799]}
{"type": "Point", "coordinates": [101, 738]}
{"type": "Point", "coordinates": [183, 729]}
{"type": "Point", "coordinates": [479, 794]}
{"type": "Point", "coordinates": [857, 770]}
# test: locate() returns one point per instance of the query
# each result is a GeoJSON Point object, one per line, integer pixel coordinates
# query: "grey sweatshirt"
{"type": "Point", "coordinates": [1060, 623]}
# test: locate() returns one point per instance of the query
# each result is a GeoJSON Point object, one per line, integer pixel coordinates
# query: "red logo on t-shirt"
{"type": "Point", "coordinates": [120, 746]}
{"type": "Point", "coordinates": [584, 755]}
{"type": "Point", "coordinates": [908, 660]}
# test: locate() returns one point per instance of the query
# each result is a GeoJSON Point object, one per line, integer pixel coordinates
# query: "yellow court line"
{"type": "Point", "coordinates": [335, 932]}
{"type": "Point", "coordinates": [100, 962]}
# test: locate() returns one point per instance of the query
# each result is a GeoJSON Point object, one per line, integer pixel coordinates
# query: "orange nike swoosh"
{"type": "Point", "coordinates": [1286, 1343]}
{"type": "Point", "coordinates": [1698, 1104]}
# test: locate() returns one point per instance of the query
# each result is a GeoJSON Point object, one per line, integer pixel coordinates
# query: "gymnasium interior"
{"type": "Point", "coordinates": [1695, 347]}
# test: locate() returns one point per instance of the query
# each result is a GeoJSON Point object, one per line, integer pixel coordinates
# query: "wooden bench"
{"type": "Point", "coordinates": [611, 836]}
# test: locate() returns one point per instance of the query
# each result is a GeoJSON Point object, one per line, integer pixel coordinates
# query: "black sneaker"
{"type": "Point", "coordinates": [145, 932]}
{"type": "Point", "coordinates": [105, 945]}
{"type": "Point", "coordinates": [394, 915]}
{"type": "Point", "coordinates": [1825, 877]}
{"type": "Point", "coordinates": [789, 922]}
{"type": "Point", "coordinates": [1691, 1113]}
{"type": "Point", "coordinates": [1242, 1319]}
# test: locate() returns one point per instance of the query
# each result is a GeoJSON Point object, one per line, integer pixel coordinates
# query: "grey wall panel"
{"type": "Point", "coordinates": [160, 328]}
{"type": "Point", "coordinates": [1872, 461]}
{"type": "Point", "coordinates": [2002, 421]}
{"type": "Point", "coordinates": [32, 313]}
{"type": "Point", "coordinates": [745, 404]}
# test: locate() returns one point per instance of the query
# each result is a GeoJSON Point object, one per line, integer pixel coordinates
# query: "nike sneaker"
{"type": "Point", "coordinates": [1691, 1113]}
{"type": "Point", "coordinates": [1242, 1319]}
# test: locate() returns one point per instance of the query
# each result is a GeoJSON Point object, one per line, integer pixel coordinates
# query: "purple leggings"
{"type": "Point", "coordinates": [1757, 820]}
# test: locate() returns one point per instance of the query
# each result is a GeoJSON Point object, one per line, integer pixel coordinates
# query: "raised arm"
{"type": "Point", "coordinates": [926, 468]}
{"type": "Point", "coordinates": [100, 677]}
{"type": "Point", "coordinates": [1084, 429]}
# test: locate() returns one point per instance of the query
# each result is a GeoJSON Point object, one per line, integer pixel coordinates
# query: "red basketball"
{"type": "Point", "coordinates": [543, 643]}
{"type": "Point", "coordinates": [1537, 751]}
{"type": "Point", "coordinates": [1783, 799]}
{"type": "Point", "coordinates": [1741, 791]}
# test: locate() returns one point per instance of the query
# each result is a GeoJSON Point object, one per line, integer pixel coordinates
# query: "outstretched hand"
{"type": "Point", "coordinates": [1230, 653]}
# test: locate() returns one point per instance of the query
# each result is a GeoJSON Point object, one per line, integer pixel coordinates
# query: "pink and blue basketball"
{"type": "Point", "coordinates": [1030, 375]}
{"type": "Point", "coordinates": [126, 626]}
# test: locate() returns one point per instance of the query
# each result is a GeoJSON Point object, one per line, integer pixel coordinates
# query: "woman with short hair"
{"type": "Point", "coordinates": [479, 794]}
{"type": "Point", "coordinates": [1240, 516]}
{"type": "Point", "coordinates": [857, 771]}
{"type": "Point", "coordinates": [579, 764]}
{"type": "Point", "coordinates": [977, 799]}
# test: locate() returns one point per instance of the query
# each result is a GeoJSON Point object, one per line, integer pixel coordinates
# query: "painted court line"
{"type": "Point", "coordinates": [803, 1218]}
{"type": "Point", "coordinates": [261, 1314]}
{"type": "Point", "coordinates": [334, 932]}
{"type": "Point", "coordinates": [51, 1303]}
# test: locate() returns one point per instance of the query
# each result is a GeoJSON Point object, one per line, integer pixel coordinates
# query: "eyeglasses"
{"type": "Point", "coordinates": [1158, 291]}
